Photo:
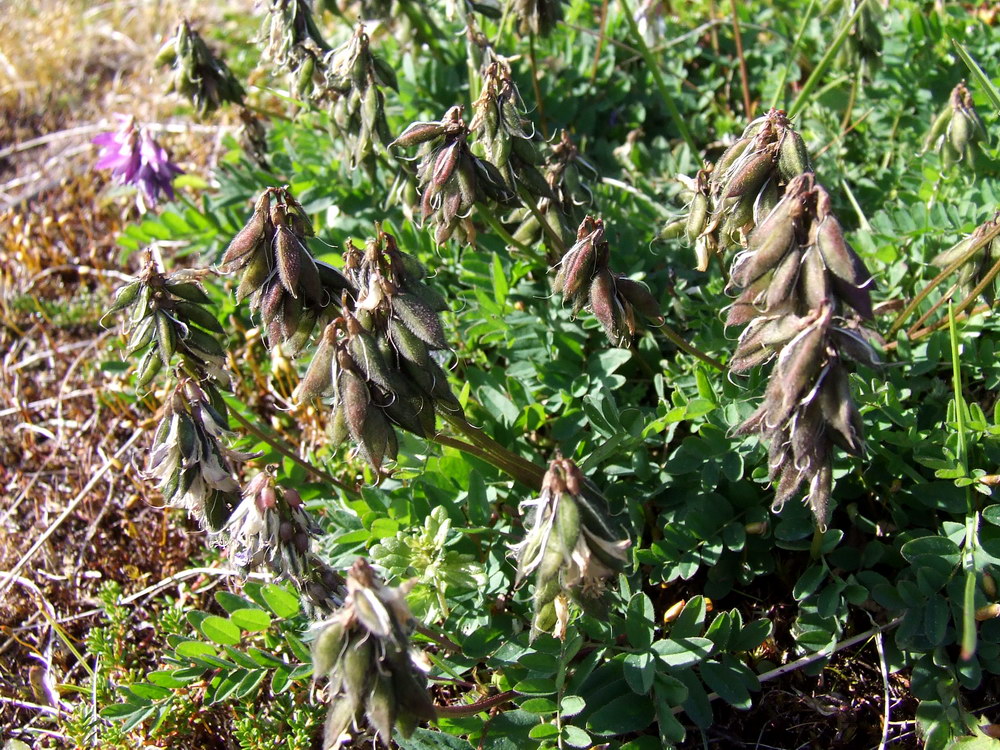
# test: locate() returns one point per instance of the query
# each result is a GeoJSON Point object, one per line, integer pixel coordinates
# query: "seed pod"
{"type": "Point", "coordinates": [327, 648]}
{"type": "Point", "coordinates": [729, 157]}
{"type": "Point", "coordinates": [189, 291]}
{"type": "Point", "coordinates": [142, 335]}
{"type": "Point", "coordinates": [255, 273]}
{"type": "Point", "coordinates": [353, 394]}
{"type": "Point", "coordinates": [814, 287]}
{"type": "Point", "coordinates": [166, 337]}
{"type": "Point", "coordinates": [200, 316]}
{"type": "Point", "coordinates": [382, 707]}
{"type": "Point", "coordinates": [417, 133]}
{"type": "Point", "coordinates": [765, 254]}
{"type": "Point", "coordinates": [148, 368]}
{"type": "Point", "coordinates": [289, 259]}
{"type": "Point", "coordinates": [124, 297]}
{"type": "Point", "coordinates": [750, 175]}
{"type": "Point", "coordinates": [407, 343]}
{"type": "Point", "coordinates": [318, 380]}
{"type": "Point", "coordinates": [607, 309]}
{"type": "Point", "coordinates": [793, 158]}
{"type": "Point", "coordinates": [782, 283]}
{"type": "Point", "coordinates": [843, 422]}
{"type": "Point", "coordinates": [420, 319]}
{"type": "Point", "coordinates": [249, 238]}
{"type": "Point", "coordinates": [638, 295]}
{"type": "Point", "coordinates": [697, 217]}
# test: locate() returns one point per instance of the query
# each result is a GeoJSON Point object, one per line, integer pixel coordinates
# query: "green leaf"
{"type": "Point", "coordinates": [541, 731]}
{"type": "Point", "coordinates": [280, 600]}
{"type": "Point", "coordinates": [539, 706]}
{"type": "Point", "coordinates": [575, 737]}
{"type": "Point", "coordinates": [639, 621]}
{"type": "Point", "coordinates": [231, 602]}
{"type": "Point", "coordinates": [724, 681]}
{"type": "Point", "coordinates": [572, 705]}
{"type": "Point", "coordinates": [639, 670]}
{"type": "Point", "coordinates": [682, 652]}
{"type": "Point", "coordinates": [220, 630]}
{"type": "Point", "coordinates": [535, 686]}
{"type": "Point", "coordinates": [627, 713]}
{"type": "Point", "coordinates": [251, 620]}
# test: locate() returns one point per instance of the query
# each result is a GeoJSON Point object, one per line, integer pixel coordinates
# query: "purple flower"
{"type": "Point", "coordinates": [134, 158]}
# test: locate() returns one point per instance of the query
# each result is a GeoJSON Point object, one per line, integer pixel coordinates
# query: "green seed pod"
{"type": "Point", "coordinates": [166, 337]}
{"type": "Point", "coordinates": [358, 670]}
{"type": "Point", "coordinates": [697, 217]}
{"type": "Point", "coordinates": [793, 158]}
{"type": "Point", "coordinates": [382, 707]}
{"type": "Point", "coordinates": [148, 368]}
{"type": "Point", "coordinates": [420, 319]}
{"type": "Point", "coordinates": [939, 127]}
{"type": "Point", "coordinates": [783, 282]}
{"type": "Point", "coordinates": [124, 297]}
{"type": "Point", "coordinates": [255, 273]}
{"type": "Point", "coordinates": [327, 648]}
{"type": "Point", "coordinates": [408, 344]}
{"type": "Point", "coordinates": [337, 430]}
{"type": "Point", "coordinates": [417, 133]}
{"type": "Point", "coordinates": [189, 291]}
{"type": "Point", "coordinates": [729, 157]}
{"type": "Point", "coordinates": [338, 719]}
{"type": "Point", "coordinates": [142, 335]}
{"type": "Point", "coordinates": [200, 316]}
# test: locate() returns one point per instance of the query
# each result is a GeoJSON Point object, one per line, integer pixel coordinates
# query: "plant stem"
{"type": "Point", "coordinates": [471, 709]}
{"type": "Point", "coordinates": [487, 215]}
{"type": "Point", "coordinates": [790, 54]}
{"type": "Point", "coordinates": [922, 294]}
{"type": "Point", "coordinates": [530, 473]}
{"type": "Point", "coordinates": [654, 69]}
{"type": "Point", "coordinates": [535, 85]}
{"type": "Point", "coordinates": [803, 98]}
{"type": "Point", "coordinates": [920, 321]}
{"type": "Point", "coordinates": [683, 345]}
{"type": "Point", "coordinates": [554, 240]}
{"type": "Point", "coordinates": [279, 445]}
{"type": "Point", "coordinates": [747, 105]}
{"type": "Point", "coordinates": [514, 471]}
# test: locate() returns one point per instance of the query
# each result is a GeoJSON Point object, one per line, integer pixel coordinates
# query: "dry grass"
{"type": "Point", "coordinates": [72, 514]}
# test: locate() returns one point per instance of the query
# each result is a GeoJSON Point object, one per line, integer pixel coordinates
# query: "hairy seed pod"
{"type": "Point", "coordinates": [417, 133]}
{"type": "Point", "coordinates": [697, 217]}
{"type": "Point", "coordinates": [607, 309]}
{"type": "Point", "coordinates": [420, 319]}
{"type": "Point", "coordinates": [289, 259]}
{"type": "Point", "coordinates": [793, 158]}
{"type": "Point", "coordinates": [783, 282]}
{"type": "Point", "coordinates": [318, 380]}
{"type": "Point", "coordinates": [750, 175]}
{"type": "Point", "coordinates": [327, 648]}
{"type": "Point", "coordinates": [189, 291]}
{"type": "Point", "coordinates": [249, 238]}
{"type": "Point", "coordinates": [166, 337]}
{"type": "Point", "coordinates": [255, 273]}
{"type": "Point", "coordinates": [639, 296]}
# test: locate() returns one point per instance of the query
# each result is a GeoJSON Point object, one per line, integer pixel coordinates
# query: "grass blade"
{"type": "Point", "coordinates": [978, 74]}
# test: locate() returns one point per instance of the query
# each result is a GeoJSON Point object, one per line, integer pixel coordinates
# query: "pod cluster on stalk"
{"type": "Point", "coordinates": [270, 526]}
{"type": "Point", "coordinates": [506, 137]}
{"type": "Point", "coordinates": [372, 672]}
{"type": "Point", "coordinates": [570, 545]}
{"type": "Point", "coordinates": [189, 458]}
{"type": "Point", "coordinates": [450, 177]}
{"type": "Point", "coordinates": [294, 41]}
{"type": "Point", "coordinates": [958, 133]}
{"type": "Point", "coordinates": [198, 74]}
{"type": "Point", "coordinates": [377, 362]}
{"type": "Point", "coordinates": [800, 279]}
{"type": "Point", "coordinates": [981, 252]}
{"type": "Point", "coordinates": [567, 173]}
{"type": "Point", "coordinates": [168, 316]}
{"type": "Point", "coordinates": [585, 279]}
{"type": "Point", "coordinates": [731, 197]}
{"type": "Point", "coordinates": [284, 283]}
{"type": "Point", "coordinates": [537, 17]}
{"type": "Point", "coordinates": [863, 47]}
{"type": "Point", "coordinates": [352, 80]}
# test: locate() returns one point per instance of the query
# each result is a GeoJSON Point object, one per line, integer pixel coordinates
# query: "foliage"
{"type": "Point", "coordinates": [908, 539]}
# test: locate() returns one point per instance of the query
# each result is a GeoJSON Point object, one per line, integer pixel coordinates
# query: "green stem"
{"type": "Point", "coordinates": [530, 473]}
{"type": "Point", "coordinates": [516, 471]}
{"type": "Point", "coordinates": [554, 239]}
{"type": "Point", "coordinates": [279, 445]}
{"type": "Point", "coordinates": [487, 215]}
{"type": "Point", "coordinates": [683, 345]}
{"type": "Point", "coordinates": [472, 709]}
{"type": "Point", "coordinates": [668, 100]}
{"type": "Point", "coordinates": [802, 99]}
{"type": "Point", "coordinates": [951, 268]}
{"type": "Point", "coordinates": [780, 90]}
